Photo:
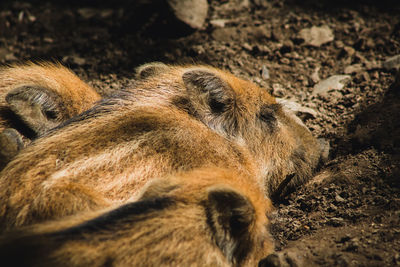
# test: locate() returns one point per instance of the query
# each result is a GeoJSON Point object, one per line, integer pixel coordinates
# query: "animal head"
{"type": "Point", "coordinates": [245, 114]}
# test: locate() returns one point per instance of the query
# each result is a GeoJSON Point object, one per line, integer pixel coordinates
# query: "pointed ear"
{"type": "Point", "coordinates": [158, 188]}
{"type": "Point", "coordinates": [150, 69]}
{"type": "Point", "coordinates": [231, 216]}
{"type": "Point", "coordinates": [39, 108]}
{"type": "Point", "coordinates": [209, 91]}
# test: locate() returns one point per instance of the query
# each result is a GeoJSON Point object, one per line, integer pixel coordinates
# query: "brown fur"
{"type": "Point", "coordinates": [208, 217]}
{"type": "Point", "coordinates": [74, 95]}
{"type": "Point", "coordinates": [35, 98]}
{"type": "Point", "coordinates": [175, 119]}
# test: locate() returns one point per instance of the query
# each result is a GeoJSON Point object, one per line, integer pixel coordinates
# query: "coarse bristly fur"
{"type": "Point", "coordinates": [175, 118]}
{"type": "Point", "coordinates": [35, 98]}
{"type": "Point", "coordinates": [206, 217]}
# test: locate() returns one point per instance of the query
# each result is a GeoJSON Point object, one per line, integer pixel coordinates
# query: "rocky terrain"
{"type": "Point", "coordinates": [335, 62]}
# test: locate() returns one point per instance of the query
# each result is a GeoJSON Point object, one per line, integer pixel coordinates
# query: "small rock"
{"type": "Point", "coordinates": [219, 23]}
{"type": "Point", "coordinates": [277, 35]}
{"type": "Point", "coordinates": [315, 76]}
{"type": "Point", "coordinates": [278, 89]}
{"type": "Point", "coordinates": [316, 36]}
{"type": "Point", "coordinates": [191, 12]}
{"type": "Point", "coordinates": [297, 108]}
{"type": "Point", "coordinates": [74, 60]}
{"type": "Point", "coordinates": [371, 65]}
{"type": "Point", "coordinates": [353, 68]}
{"type": "Point", "coordinates": [332, 208]}
{"type": "Point", "coordinates": [247, 47]}
{"type": "Point", "coordinates": [336, 222]}
{"type": "Point", "coordinates": [10, 57]}
{"type": "Point", "coordinates": [265, 72]}
{"type": "Point", "coordinates": [325, 148]}
{"type": "Point", "coordinates": [87, 13]}
{"type": "Point", "coordinates": [263, 48]}
{"type": "Point", "coordinates": [347, 51]}
{"type": "Point", "coordinates": [339, 44]}
{"type": "Point", "coordinates": [392, 63]}
{"type": "Point", "coordinates": [335, 82]}
{"type": "Point", "coordinates": [396, 258]}
{"type": "Point", "coordinates": [261, 32]}
{"type": "Point", "coordinates": [3, 53]}
{"type": "Point", "coordinates": [285, 61]}
{"type": "Point", "coordinates": [339, 198]}
{"type": "Point", "coordinates": [48, 40]}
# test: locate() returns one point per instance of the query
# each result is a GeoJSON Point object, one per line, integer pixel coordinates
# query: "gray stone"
{"type": "Point", "coordinates": [392, 63]}
{"type": "Point", "coordinates": [265, 72]}
{"type": "Point", "coordinates": [315, 76]}
{"type": "Point", "coordinates": [316, 36]}
{"type": "Point", "coordinates": [339, 198]}
{"type": "Point", "coordinates": [297, 108]}
{"type": "Point", "coordinates": [218, 23]}
{"type": "Point", "coordinates": [191, 12]}
{"type": "Point", "coordinates": [353, 68]}
{"type": "Point", "coordinates": [335, 82]}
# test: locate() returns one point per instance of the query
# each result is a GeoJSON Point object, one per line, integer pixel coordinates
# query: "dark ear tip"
{"type": "Point", "coordinates": [150, 69]}
{"type": "Point", "coordinates": [229, 201]}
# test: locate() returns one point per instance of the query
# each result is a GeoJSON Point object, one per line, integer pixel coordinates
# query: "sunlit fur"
{"type": "Point", "coordinates": [170, 225]}
{"type": "Point", "coordinates": [161, 125]}
{"type": "Point", "coordinates": [75, 95]}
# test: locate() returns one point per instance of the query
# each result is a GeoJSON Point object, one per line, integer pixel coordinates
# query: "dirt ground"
{"type": "Point", "coordinates": [349, 215]}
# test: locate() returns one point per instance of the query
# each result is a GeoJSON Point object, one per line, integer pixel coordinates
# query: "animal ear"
{"type": "Point", "coordinates": [231, 216]}
{"type": "Point", "coordinates": [209, 91]}
{"type": "Point", "coordinates": [158, 188]}
{"type": "Point", "coordinates": [39, 108]}
{"type": "Point", "coordinates": [150, 69]}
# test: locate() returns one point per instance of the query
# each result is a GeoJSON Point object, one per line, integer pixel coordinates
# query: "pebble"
{"type": "Point", "coordinates": [265, 72]}
{"type": "Point", "coordinates": [336, 222]}
{"type": "Point", "coordinates": [75, 60]}
{"type": "Point", "coordinates": [347, 51]}
{"type": "Point", "coordinates": [218, 23]}
{"type": "Point", "coordinates": [247, 46]}
{"type": "Point", "coordinates": [339, 198]}
{"type": "Point", "coordinates": [316, 36]}
{"type": "Point", "coordinates": [315, 76]}
{"type": "Point", "coordinates": [353, 68]}
{"type": "Point", "coordinates": [335, 82]}
{"type": "Point", "coordinates": [278, 89]}
{"type": "Point", "coordinates": [392, 63]}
